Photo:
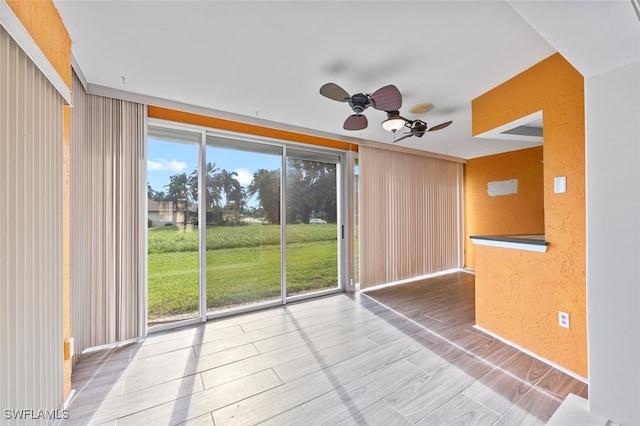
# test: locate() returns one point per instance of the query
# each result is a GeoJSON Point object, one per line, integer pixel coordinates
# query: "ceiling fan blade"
{"type": "Point", "coordinates": [387, 98]}
{"type": "Point", "coordinates": [335, 92]}
{"type": "Point", "coordinates": [404, 137]}
{"type": "Point", "coordinates": [440, 126]}
{"type": "Point", "coordinates": [355, 122]}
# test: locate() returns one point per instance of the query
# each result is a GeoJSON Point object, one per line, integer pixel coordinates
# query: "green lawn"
{"type": "Point", "coordinates": [243, 265]}
{"type": "Point", "coordinates": [173, 238]}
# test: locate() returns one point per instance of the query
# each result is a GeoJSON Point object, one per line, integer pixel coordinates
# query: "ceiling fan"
{"type": "Point", "coordinates": [387, 98]}
{"type": "Point", "coordinates": [416, 128]}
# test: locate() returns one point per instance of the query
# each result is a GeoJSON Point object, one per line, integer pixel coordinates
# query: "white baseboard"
{"type": "Point", "coordinates": [411, 280]}
{"type": "Point", "coordinates": [534, 355]}
{"type": "Point", "coordinates": [68, 400]}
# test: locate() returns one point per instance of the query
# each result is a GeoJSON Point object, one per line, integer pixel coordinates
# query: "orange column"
{"type": "Point", "coordinates": [519, 293]}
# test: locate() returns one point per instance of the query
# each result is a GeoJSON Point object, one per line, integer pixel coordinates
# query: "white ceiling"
{"type": "Point", "coordinates": [264, 61]}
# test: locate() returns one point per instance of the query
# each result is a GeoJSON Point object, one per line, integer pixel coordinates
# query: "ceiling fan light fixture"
{"type": "Point", "coordinates": [393, 122]}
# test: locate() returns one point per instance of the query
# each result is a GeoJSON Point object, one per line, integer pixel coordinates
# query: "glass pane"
{"type": "Point", "coordinates": [243, 223]}
{"type": "Point", "coordinates": [312, 221]}
{"type": "Point", "coordinates": [172, 208]}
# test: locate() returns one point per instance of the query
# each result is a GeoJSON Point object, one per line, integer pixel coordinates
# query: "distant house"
{"type": "Point", "coordinates": [161, 213]}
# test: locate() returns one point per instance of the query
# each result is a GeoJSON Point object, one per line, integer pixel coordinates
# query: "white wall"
{"type": "Point", "coordinates": [613, 243]}
{"type": "Point", "coordinates": [601, 39]}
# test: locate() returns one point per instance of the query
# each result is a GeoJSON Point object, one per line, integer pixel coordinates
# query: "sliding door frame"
{"type": "Point", "coordinates": [195, 130]}
{"type": "Point", "coordinates": [202, 227]}
{"type": "Point", "coordinates": [343, 195]}
{"type": "Point", "coordinates": [344, 175]}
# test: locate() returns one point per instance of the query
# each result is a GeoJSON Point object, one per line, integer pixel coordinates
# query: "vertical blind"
{"type": "Point", "coordinates": [31, 241]}
{"type": "Point", "coordinates": [410, 216]}
{"type": "Point", "coordinates": [107, 215]}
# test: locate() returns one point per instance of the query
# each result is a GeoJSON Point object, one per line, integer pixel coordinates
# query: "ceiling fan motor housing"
{"type": "Point", "coordinates": [359, 102]}
{"type": "Point", "coordinates": [420, 126]}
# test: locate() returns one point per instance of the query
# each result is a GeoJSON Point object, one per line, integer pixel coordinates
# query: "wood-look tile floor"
{"type": "Point", "coordinates": [397, 356]}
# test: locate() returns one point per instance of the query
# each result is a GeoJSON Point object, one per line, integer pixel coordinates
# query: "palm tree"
{"type": "Point", "coordinates": [232, 190]}
{"type": "Point", "coordinates": [228, 183]}
{"type": "Point", "coordinates": [237, 200]}
{"type": "Point", "coordinates": [178, 192]}
{"type": "Point", "coordinates": [150, 192]}
{"type": "Point", "coordinates": [213, 193]}
{"type": "Point", "coordinates": [160, 196]}
{"type": "Point", "coordinates": [192, 184]}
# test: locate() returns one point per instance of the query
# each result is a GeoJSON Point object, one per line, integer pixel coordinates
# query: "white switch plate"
{"type": "Point", "coordinates": [563, 319]}
{"type": "Point", "coordinates": [560, 184]}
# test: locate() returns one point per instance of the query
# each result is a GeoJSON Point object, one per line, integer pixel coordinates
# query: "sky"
{"type": "Point", "coordinates": [168, 158]}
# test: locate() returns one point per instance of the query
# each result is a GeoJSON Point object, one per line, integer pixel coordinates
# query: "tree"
{"type": "Point", "coordinates": [234, 193]}
{"type": "Point", "coordinates": [178, 192]}
{"type": "Point", "coordinates": [300, 198]}
{"type": "Point", "coordinates": [160, 196]}
{"type": "Point", "coordinates": [213, 192]}
{"type": "Point", "coordinates": [239, 201]}
{"type": "Point", "coordinates": [266, 186]}
{"type": "Point", "coordinates": [311, 189]}
{"type": "Point", "coordinates": [192, 186]}
{"type": "Point", "coordinates": [193, 192]}
{"type": "Point", "coordinates": [229, 184]}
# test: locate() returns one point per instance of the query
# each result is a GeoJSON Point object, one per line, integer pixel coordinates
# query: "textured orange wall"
{"type": "Point", "coordinates": [235, 126]}
{"type": "Point", "coordinates": [515, 214]}
{"type": "Point", "coordinates": [519, 293]}
{"type": "Point", "coordinates": [42, 21]}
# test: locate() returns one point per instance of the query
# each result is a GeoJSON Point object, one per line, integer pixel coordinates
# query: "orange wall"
{"type": "Point", "coordinates": [42, 21]}
{"type": "Point", "coordinates": [515, 214]}
{"type": "Point", "coordinates": [235, 126]}
{"type": "Point", "coordinates": [519, 293]}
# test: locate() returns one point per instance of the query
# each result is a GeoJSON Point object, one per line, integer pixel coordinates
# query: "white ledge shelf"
{"type": "Point", "coordinates": [518, 242]}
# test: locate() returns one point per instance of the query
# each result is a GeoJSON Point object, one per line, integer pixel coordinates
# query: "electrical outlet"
{"type": "Point", "coordinates": [563, 319]}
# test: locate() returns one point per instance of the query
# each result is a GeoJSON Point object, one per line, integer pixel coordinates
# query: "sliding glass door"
{"type": "Point", "coordinates": [173, 287]}
{"type": "Point", "coordinates": [244, 253]}
{"type": "Point", "coordinates": [312, 222]}
{"type": "Point", "coordinates": [238, 223]}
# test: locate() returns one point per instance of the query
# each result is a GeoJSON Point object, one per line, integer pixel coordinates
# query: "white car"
{"type": "Point", "coordinates": [317, 222]}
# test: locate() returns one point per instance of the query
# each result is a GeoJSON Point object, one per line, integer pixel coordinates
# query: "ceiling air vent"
{"type": "Point", "coordinates": [525, 129]}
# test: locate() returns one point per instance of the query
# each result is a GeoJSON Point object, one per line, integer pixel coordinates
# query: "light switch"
{"type": "Point", "coordinates": [560, 184]}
